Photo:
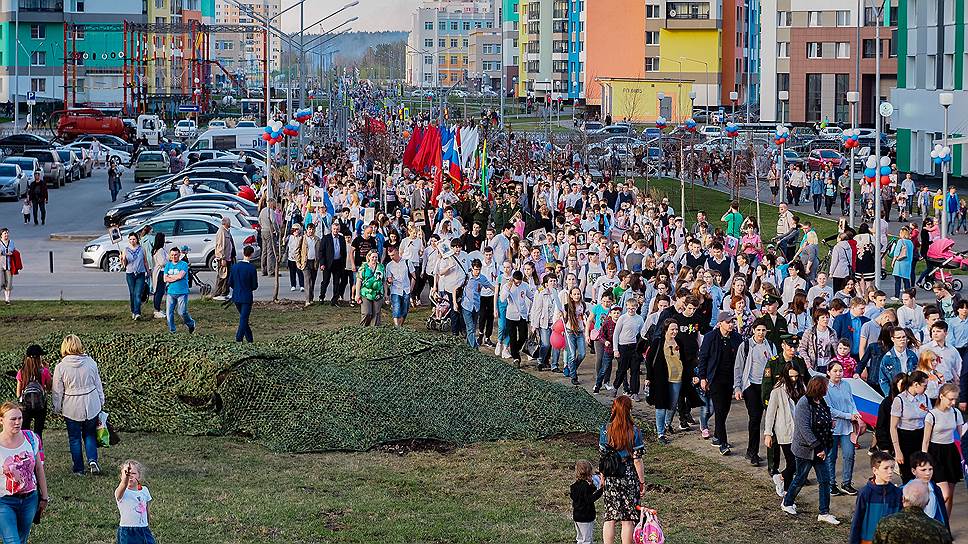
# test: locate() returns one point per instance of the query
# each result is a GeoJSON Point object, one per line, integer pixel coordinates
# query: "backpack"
{"type": "Point", "coordinates": [611, 464]}
{"type": "Point", "coordinates": [648, 530]}
{"type": "Point", "coordinates": [33, 398]}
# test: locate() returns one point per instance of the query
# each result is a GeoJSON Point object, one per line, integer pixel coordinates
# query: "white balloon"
{"type": "Point", "coordinates": [872, 162]}
{"type": "Point", "coordinates": [946, 150]}
{"type": "Point", "coordinates": [934, 154]}
{"type": "Point", "coordinates": [885, 161]}
{"type": "Point", "coordinates": [276, 126]}
{"type": "Point", "coordinates": [937, 147]}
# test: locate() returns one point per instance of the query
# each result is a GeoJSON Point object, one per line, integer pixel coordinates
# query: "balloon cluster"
{"type": "Point", "coordinates": [303, 115]}
{"type": "Point", "coordinates": [660, 122]}
{"type": "Point", "coordinates": [558, 335]}
{"type": "Point", "coordinates": [732, 130]}
{"type": "Point", "coordinates": [872, 172]}
{"type": "Point", "coordinates": [691, 125]}
{"type": "Point", "coordinates": [850, 138]}
{"type": "Point", "coordinates": [291, 129]}
{"type": "Point", "coordinates": [273, 132]}
{"type": "Point", "coordinates": [941, 155]}
{"type": "Point", "coordinates": [781, 135]}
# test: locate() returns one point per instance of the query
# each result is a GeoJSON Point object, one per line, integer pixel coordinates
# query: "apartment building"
{"type": "Point", "coordinates": [509, 27]}
{"type": "Point", "coordinates": [932, 56]}
{"type": "Point", "coordinates": [242, 54]}
{"type": "Point", "coordinates": [811, 49]}
{"type": "Point", "coordinates": [485, 50]}
{"type": "Point", "coordinates": [438, 46]}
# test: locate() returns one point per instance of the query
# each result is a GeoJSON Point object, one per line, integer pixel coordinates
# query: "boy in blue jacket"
{"type": "Point", "coordinates": [877, 499]}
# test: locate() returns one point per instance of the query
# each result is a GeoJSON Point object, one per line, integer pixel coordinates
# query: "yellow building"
{"type": "Point", "coordinates": [637, 99]}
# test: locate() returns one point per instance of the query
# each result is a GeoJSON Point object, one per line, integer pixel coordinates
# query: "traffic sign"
{"type": "Point", "coordinates": [190, 108]}
{"type": "Point", "coordinates": [31, 98]}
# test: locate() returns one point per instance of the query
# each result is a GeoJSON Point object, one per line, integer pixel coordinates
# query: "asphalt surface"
{"type": "Point", "coordinates": [78, 209]}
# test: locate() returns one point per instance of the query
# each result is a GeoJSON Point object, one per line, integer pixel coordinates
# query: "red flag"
{"type": "Point", "coordinates": [411, 151]}
{"type": "Point", "coordinates": [429, 152]}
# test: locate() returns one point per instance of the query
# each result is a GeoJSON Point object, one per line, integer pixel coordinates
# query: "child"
{"type": "Point", "coordinates": [843, 357]}
{"type": "Point", "coordinates": [605, 336]}
{"type": "Point", "coordinates": [583, 496]}
{"type": "Point", "coordinates": [26, 209]}
{"type": "Point", "coordinates": [133, 498]}
{"type": "Point", "coordinates": [877, 499]}
{"type": "Point", "coordinates": [922, 466]}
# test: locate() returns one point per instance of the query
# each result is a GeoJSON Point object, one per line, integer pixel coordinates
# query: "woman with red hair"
{"type": "Point", "coordinates": [621, 445]}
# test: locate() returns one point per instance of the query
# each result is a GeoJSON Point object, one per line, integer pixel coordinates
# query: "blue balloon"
{"type": "Point", "coordinates": [870, 172]}
{"type": "Point", "coordinates": [937, 160]}
{"type": "Point", "coordinates": [885, 170]}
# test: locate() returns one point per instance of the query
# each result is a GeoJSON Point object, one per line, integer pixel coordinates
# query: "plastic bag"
{"type": "Point", "coordinates": [103, 435]}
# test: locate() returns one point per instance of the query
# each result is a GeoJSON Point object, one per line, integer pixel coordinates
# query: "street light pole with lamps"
{"type": "Point", "coordinates": [660, 97]}
{"type": "Point", "coordinates": [783, 96]}
{"type": "Point", "coordinates": [946, 100]}
{"type": "Point", "coordinates": [733, 97]}
{"type": "Point", "coordinates": [853, 97]}
{"type": "Point", "coordinates": [878, 13]}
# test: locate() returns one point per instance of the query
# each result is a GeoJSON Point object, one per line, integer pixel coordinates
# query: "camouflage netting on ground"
{"type": "Point", "coordinates": [351, 389]}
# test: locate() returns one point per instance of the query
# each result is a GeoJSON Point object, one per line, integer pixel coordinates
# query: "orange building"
{"type": "Point", "coordinates": [614, 44]}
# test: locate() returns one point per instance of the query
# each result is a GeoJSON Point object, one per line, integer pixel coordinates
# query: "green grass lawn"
{"type": "Point", "coordinates": [227, 490]}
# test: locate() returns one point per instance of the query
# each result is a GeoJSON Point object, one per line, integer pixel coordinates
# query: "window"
{"type": "Point", "coordinates": [467, 25]}
{"type": "Point", "coordinates": [652, 37]}
{"type": "Point", "coordinates": [38, 32]}
{"type": "Point", "coordinates": [783, 18]}
{"type": "Point", "coordinates": [38, 85]}
{"type": "Point", "coordinates": [560, 27]}
{"type": "Point", "coordinates": [78, 34]}
{"type": "Point", "coordinates": [453, 59]}
{"type": "Point", "coordinates": [843, 18]}
{"type": "Point", "coordinates": [559, 46]}
{"type": "Point", "coordinates": [651, 64]}
{"type": "Point", "coordinates": [81, 85]}
{"type": "Point", "coordinates": [441, 60]}
{"type": "Point", "coordinates": [165, 227]}
{"type": "Point", "coordinates": [453, 25]}
{"type": "Point", "coordinates": [651, 11]}
{"type": "Point", "coordinates": [428, 77]}
{"type": "Point", "coordinates": [189, 227]}
{"type": "Point", "coordinates": [783, 50]}
{"type": "Point", "coordinates": [559, 66]}
{"type": "Point", "coordinates": [782, 108]}
{"type": "Point", "coordinates": [78, 5]}
{"type": "Point", "coordinates": [489, 24]}
{"type": "Point", "coordinates": [429, 25]}
{"type": "Point", "coordinates": [441, 42]}
{"type": "Point", "coordinates": [843, 50]}
{"type": "Point", "coordinates": [870, 16]}
{"type": "Point", "coordinates": [814, 50]}
{"type": "Point", "coordinates": [38, 58]}
{"type": "Point", "coordinates": [841, 108]}
{"type": "Point", "coordinates": [429, 42]}
{"type": "Point", "coordinates": [453, 43]}
{"type": "Point", "coordinates": [813, 18]}
{"type": "Point", "coordinates": [870, 49]}
{"type": "Point", "coordinates": [814, 97]}
{"type": "Point", "coordinates": [488, 49]}
{"type": "Point", "coordinates": [428, 60]}
{"type": "Point", "coordinates": [464, 43]}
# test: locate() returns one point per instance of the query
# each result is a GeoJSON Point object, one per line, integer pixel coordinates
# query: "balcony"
{"type": "Point", "coordinates": [689, 15]}
{"type": "Point", "coordinates": [40, 5]}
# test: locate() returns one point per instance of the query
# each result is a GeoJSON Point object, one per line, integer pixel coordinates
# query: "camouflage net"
{"type": "Point", "coordinates": [351, 389]}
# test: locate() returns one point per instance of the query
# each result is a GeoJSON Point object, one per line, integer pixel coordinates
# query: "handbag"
{"type": "Point", "coordinates": [648, 530]}
{"type": "Point", "coordinates": [611, 464]}
{"type": "Point", "coordinates": [532, 347]}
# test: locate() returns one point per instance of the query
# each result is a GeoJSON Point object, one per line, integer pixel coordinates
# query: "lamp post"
{"type": "Point", "coordinates": [853, 97]}
{"type": "Point", "coordinates": [660, 97]}
{"type": "Point", "coordinates": [783, 96]}
{"type": "Point", "coordinates": [692, 142]}
{"type": "Point", "coordinates": [878, 12]}
{"type": "Point", "coordinates": [945, 99]}
{"type": "Point", "coordinates": [733, 97]}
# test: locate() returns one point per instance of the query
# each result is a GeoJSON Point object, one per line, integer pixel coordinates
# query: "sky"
{"type": "Point", "coordinates": [374, 15]}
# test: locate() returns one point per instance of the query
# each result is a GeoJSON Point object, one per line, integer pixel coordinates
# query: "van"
{"type": "Point", "coordinates": [230, 138]}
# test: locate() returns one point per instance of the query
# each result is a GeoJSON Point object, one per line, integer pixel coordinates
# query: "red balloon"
{"type": "Point", "coordinates": [885, 181]}
{"type": "Point", "coordinates": [558, 340]}
{"type": "Point", "coordinates": [266, 136]}
{"type": "Point", "coordinates": [558, 327]}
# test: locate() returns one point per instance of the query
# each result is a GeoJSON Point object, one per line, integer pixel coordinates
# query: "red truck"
{"type": "Point", "coordinates": [72, 123]}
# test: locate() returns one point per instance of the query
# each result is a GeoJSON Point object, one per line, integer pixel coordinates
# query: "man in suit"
{"type": "Point", "coordinates": [224, 256]}
{"type": "Point", "coordinates": [269, 233]}
{"type": "Point", "coordinates": [307, 260]}
{"type": "Point", "coordinates": [243, 280]}
{"type": "Point", "coordinates": [332, 251]}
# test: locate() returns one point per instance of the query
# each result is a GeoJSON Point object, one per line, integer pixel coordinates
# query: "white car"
{"type": "Point", "coordinates": [217, 124]}
{"type": "Point", "coordinates": [246, 124]}
{"type": "Point", "coordinates": [106, 152]}
{"type": "Point", "coordinates": [711, 131]}
{"type": "Point", "coordinates": [831, 132]}
{"type": "Point", "coordinates": [186, 128]}
{"type": "Point", "coordinates": [13, 182]}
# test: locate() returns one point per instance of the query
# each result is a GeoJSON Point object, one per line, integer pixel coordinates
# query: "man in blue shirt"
{"type": "Point", "coordinates": [470, 302]}
{"type": "Point", "coordinates": [951, 208]}
{"type": "Point", "coordinates": [848, 324]}
{"type": "Point", "coordinates": [176, 278]}
{"type": "Point", "coordinates": [243, 280]}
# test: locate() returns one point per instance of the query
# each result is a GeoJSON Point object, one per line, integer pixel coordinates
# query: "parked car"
{"type": "Point", "coordinates": [250, 208]}
{"type": "Point", "coordinates": [621, 143]}
{"type": "Point", "coordinates": [109, 140]}
{"type": "Point", "coordinates": [490, 93]}
{"type": "Point", "coordinates": [207, 154]}
{"type": "Point", "coordinates": [156, 199]}
{"type": "Point", "coordinates": [195, 231]}
{"type": "Point", "coordinates": [711, 131]}
{"type": "Point", "coordinates": [13, 181]}
{"type": "Point", "coordinates": [217, 124]}
{"type": "Point", "coordinates": [191, 206]}
{"type": "Point", "coordinates": [51, 164]}
{"type": "Point", "coordinates": [824, 143]}
{"type": "Point", "coordinates": [86, 158]}
{"type": "Point", "coordinates": [791, 157]}
{"type": "Point", "coordinates": [186, 128]}
{"type": "Point", "coordinates": [16, 144]}
{"type": "Point", "coordinates": [614, 130]}
{"type": "Point", "coordinates": [819, 158]}
{"type": "Point", "coordinates": [256, 154]}
{"type": "Point", "coordinates": [246, 124]}
{"type": "Point", "coordinates": [151, 164]}
{"type": "Point", "coordinates": [28, 165]}
{"type": "Point", "coordinates": [831, 132]}
{"type": "Point", "coordinates": [591, 127]}
{"type": "Point", "coordinates": [72, 164]}
{"type": "Point", "coordinates": [107, 152]}
{"type": "Point", "coordinates": [215, 184]}
{"type": "Point", "coordinates": [649, 133]}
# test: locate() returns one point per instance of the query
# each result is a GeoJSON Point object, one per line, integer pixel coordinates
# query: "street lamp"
{"type": "Point", "coordinates": [660, 97]}
{"type": "Point", "coordinates": [853, 97]}
{"type": "Point", "coordinates": [784, 96]}
{"type": "Point", "coordinates": [733, 97]}
{"type": "Point", "coordinates": [945, 99]}
{"type": "Point", "coordinates": [878, 12]}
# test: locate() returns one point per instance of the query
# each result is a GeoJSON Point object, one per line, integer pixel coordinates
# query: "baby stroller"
{"type": "Point", "coordinates": [941, 258]}
{"type": "Point", "coordinates": [439, 319]}
{"type": "Point", "coordinates": [204, 289]}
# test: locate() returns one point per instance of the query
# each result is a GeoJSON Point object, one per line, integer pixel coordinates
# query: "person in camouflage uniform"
{"type": "Point", "coordinates": [911, 524]}
{"type": "Point", "coordinates": [774, 366]}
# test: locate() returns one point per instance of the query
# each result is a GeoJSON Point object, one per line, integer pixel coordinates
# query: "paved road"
{"type": "Point", "coordinates": [76, 208]}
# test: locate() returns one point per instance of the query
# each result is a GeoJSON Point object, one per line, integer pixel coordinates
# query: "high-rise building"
{"type": "Point", "coordinates": [509, 28]}
{"type": "Point", "coordinates": [437, 48]}
{"type": "Point", "coordinates": [811, 49]}
{"type": "Point", "coordinates": [242, 54]}
{"type": "Point", "coordinates": [932, 57]}
{"type": "Point", "coordinates": [486, 56]}
{"type": "Point", "coordinates": [741, 52]}
{"type": "Point", "coordinates": [32, 36]}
